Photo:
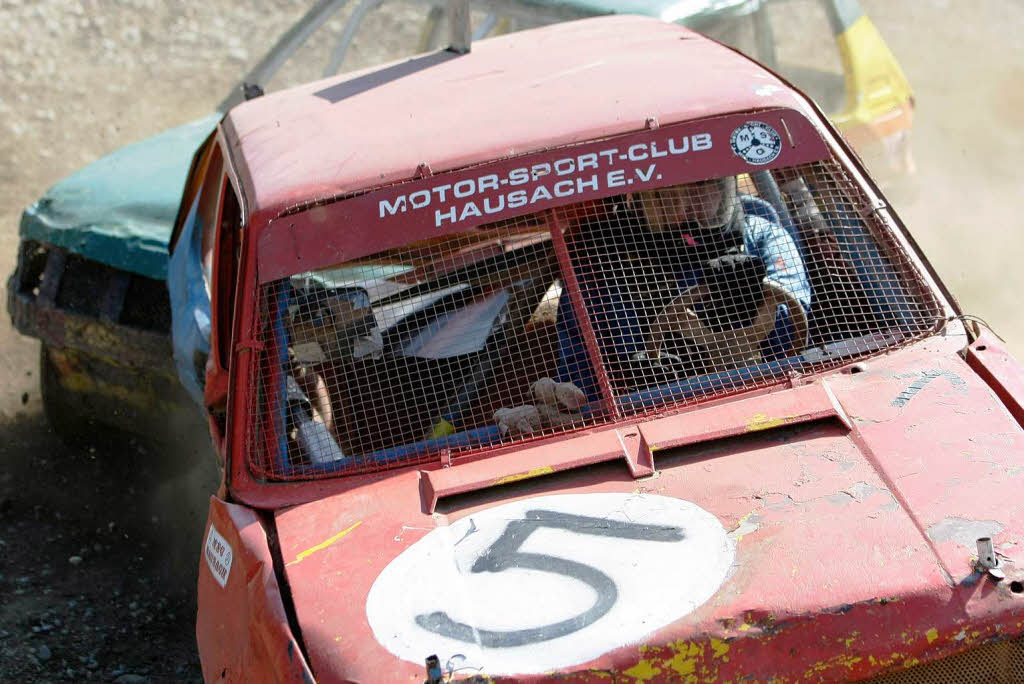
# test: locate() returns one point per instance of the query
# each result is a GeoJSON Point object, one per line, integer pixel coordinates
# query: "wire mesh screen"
{"type": "Point", "coordinates": [409, 351]}
{"type": "Point", "coordinates": [999, 663]}
{"type": "Point", "coordinates": [565, 319]}
{"type": "Point", "coordinates": [695, 289]}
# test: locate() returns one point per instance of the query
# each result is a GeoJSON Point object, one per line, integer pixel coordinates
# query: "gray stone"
{"type": "Point", "coordinates": [131, 679]}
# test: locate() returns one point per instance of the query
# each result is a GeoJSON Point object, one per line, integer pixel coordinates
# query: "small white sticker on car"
{"type": "Point", "coordinates": [218, 556]}
{"type": "Point", "coordinates": [756, 142]}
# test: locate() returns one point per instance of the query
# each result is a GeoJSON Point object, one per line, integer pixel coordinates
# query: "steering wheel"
{"type": "Point", "coordinates": [727, 348]}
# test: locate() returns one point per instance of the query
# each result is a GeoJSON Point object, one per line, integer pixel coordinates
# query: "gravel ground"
{"type": "Point", "coordinates": [98, 547]}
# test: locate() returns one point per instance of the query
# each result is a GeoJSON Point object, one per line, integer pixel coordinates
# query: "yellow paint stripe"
{"type": "Point", "coordinates": [324, 544]}
{"type": "Point", "coordinates": [760, 421]}
{"type": "Point", "coordinates": [536, 472]}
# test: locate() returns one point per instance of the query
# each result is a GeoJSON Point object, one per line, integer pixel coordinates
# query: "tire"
{"type": "Point", "coordinates": [65, 411]}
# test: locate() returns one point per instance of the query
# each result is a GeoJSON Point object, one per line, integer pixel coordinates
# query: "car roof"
{"type": "Point", "coordinates": [515, 94]}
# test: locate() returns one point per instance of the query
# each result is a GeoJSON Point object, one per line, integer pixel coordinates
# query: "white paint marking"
{"type": "Point", "coordinates": [218, 556]}
{"type": "Point", "coordinates": [664, 557]}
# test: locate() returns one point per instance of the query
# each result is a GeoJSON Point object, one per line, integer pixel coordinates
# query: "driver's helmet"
{"type": "Point", "coordinates": [707, 211]}
{"type": "Point", "coordinates": [709, 203]}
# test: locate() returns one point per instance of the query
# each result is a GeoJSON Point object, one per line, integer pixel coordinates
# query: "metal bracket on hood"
{"type": "Point", "coordinates": [637, 452]}
{"type": "Point", "coordinates": [987, 560]}
{"type": "Point", "coordinates": [800, 404]}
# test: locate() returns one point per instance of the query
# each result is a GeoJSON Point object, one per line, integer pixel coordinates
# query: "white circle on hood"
{"type": "Point", "coordinates": [549, 582]}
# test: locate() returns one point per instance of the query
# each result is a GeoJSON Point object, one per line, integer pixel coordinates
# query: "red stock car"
{"type": "Point", "coordinates": [593, 355]}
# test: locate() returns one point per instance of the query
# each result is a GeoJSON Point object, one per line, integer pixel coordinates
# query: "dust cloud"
{"type": "Point", "coordinates": [965, 62]}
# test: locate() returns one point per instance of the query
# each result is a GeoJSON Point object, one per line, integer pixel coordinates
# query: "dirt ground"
{"type": "Point", "coordinates": [99, 547]}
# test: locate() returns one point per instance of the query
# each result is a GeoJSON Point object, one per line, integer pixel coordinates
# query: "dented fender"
{"type": "Point", "coordinates": [242, 627]}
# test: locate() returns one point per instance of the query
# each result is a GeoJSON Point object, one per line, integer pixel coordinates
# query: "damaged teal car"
{"type": "Point", "coordinates": [125, 327]}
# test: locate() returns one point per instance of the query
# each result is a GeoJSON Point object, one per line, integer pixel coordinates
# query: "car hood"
{"type": "Point", "coordinates": [828, 542]}
{"type": "Point", "coordinates": [120, 209]}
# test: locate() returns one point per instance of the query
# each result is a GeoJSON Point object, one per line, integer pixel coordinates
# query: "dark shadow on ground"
{"type": "Point", "coordinates": [99, 551]}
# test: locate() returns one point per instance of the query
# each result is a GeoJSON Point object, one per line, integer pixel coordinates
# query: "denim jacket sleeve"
{"type": "Point", "coordinates": [780, 255]}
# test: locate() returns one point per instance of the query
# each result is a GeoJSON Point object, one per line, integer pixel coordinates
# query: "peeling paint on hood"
{"type": "Point", "coordinates": [963, 532]}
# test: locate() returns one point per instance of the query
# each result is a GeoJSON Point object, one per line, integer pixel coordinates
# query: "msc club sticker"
{"type": "Point", "coordinates": [756, 142]}
{"type": "Point", "coordinates": [218, 556]}
{"type": "Point", "coordinates": [548, 582]}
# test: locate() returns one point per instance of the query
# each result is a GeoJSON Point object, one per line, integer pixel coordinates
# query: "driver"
{"type": "Point", "coordinates": [639, 256]}
{"type": "Point", "coordinates": [324, 326]}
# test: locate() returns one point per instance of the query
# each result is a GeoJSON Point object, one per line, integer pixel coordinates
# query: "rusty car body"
{"type": "Point", "coordinates": [394, 266]}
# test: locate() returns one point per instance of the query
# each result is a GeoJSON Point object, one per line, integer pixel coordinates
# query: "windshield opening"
{"type": "Point", "coordinates": [570, 318]}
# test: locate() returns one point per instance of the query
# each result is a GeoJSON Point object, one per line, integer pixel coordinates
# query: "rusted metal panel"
{"type": "Point", "coordinates": [118, 343]}
{"type": "Point", "coordinates": [114, 373]}
{"type": "Point", "coordinates": [35, 312]}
